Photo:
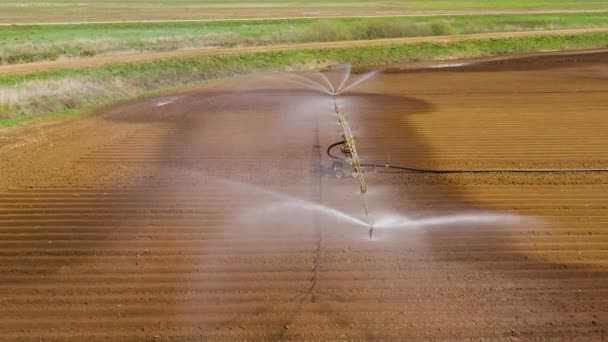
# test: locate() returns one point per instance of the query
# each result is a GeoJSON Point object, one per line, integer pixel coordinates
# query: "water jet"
{"type": "Point", "coordinates": [350, 148]}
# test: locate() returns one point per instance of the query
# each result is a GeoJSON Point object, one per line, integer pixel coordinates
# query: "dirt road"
{"type": "Point", "coordinates": [212, 215]}
{"type": "Point", "coordinates": [330, 16]}
{"type": "Point", "coordinates": [142, 57]}
{"type": "Point", "coordinates": [15, 13]}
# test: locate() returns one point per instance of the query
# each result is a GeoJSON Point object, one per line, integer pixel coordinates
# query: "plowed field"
{"type": "Point", "coordinates": [213, 214]}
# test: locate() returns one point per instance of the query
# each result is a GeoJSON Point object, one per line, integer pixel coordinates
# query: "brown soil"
{"type": "Point", "coordinates": [142, 57]}
{"type": "Point", "coordinates": [163, 223]}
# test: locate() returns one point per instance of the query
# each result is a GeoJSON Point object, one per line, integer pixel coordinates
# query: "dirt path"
{"type": "Point", "coordinates": [142, 57]}
{"type": "Point", "coordinates": [418, 14]}
{"type": "Point", "coordinates": [205, 215]}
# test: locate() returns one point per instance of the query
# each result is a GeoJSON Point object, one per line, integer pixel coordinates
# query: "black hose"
{"type": "Point", "coordinates": [418, 170]}
{"type": "Point", "coordinates": [411, 169]}
{"type": "Point", "coordinates": [331, 147]}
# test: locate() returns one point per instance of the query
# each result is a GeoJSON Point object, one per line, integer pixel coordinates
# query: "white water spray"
{"type": "Point", "coordinates": [308, 83]}
{"type": "Point", "coordinates": [398, 221]}
{"type": "Point", "coordinates": [317, 208]}
{"type": "Point", "coordinates": [360, 80]}
{"type": "Point", "coordinates": [328, 82]}
{"type": "Point", "coordinates": [282, 201]}
{"type": "Point", "coordinates": [346, 76]}
{"type": "Point", "coordinates": [285, 201]}
{"type": "Point", "coordinates": [326, 86]}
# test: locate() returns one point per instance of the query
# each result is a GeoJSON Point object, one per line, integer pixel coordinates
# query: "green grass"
{"type": "Point", "coordinates": [39, 93]}
{"type": "Point", "coordinates": [22, 44]}
{"type": "Point", "coordinates": [13, 11]}
{"type": "Point", "coordinates": [78, 112]}
{"type": "Point", "coordinates": [62, 114]}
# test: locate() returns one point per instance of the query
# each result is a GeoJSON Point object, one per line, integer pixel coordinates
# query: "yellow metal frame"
{"type": "Point", "coordinates": [349, 140]}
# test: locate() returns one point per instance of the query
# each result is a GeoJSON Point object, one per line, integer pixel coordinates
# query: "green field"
{"type": "Point", "coordinates": [13, 11]}
{"type": "Point", "coordinates": [24, 96]}
{"type": "Point", "coordinates": [22, 44]}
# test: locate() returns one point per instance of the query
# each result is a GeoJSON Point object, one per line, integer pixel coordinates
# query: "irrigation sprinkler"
{"type": "Point", "coordinates": [348, 147]}
{"type": "Point", "coordinates": [351, 149]}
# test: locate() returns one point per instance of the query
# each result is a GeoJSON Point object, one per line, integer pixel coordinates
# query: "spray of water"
{"type": "Point", "coordinates": [360, 80]}
{"type": "Point", "coordinates": [348, 82]}
{"type": "Point", "coordinates": [304, 205]}
{"type": "Point", "coordinates": [398, 221]}
{"type": "Point", "coordinates": [328, 82]}
{"type": "Point", "coordinates": [324, 84]}
{"type": "Point", "coordinates": [346, 77]}
{"type": "Point", "coordinates": [282, 201]}
{"type": "Point", "coordinates": [308, 83]}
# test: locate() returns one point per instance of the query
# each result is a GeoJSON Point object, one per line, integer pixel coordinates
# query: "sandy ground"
{"type": "Point", "coordinates": [142, 57]}
{"type": "Point", "coordinates": [211, 214]}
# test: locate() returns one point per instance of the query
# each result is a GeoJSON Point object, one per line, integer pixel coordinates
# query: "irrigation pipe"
{"type": "Point", "coordinates": [436, 171]}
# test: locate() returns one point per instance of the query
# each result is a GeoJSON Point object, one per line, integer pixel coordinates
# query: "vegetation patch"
{"type": "Point", "coordinates": [24, 44]}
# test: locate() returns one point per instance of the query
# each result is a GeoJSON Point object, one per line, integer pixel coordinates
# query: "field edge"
{"type": "Point", "coordinates": [172, 74]}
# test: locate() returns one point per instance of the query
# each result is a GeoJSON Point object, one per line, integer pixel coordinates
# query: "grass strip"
{"type": "Point", "coordinates": [30, 43]}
